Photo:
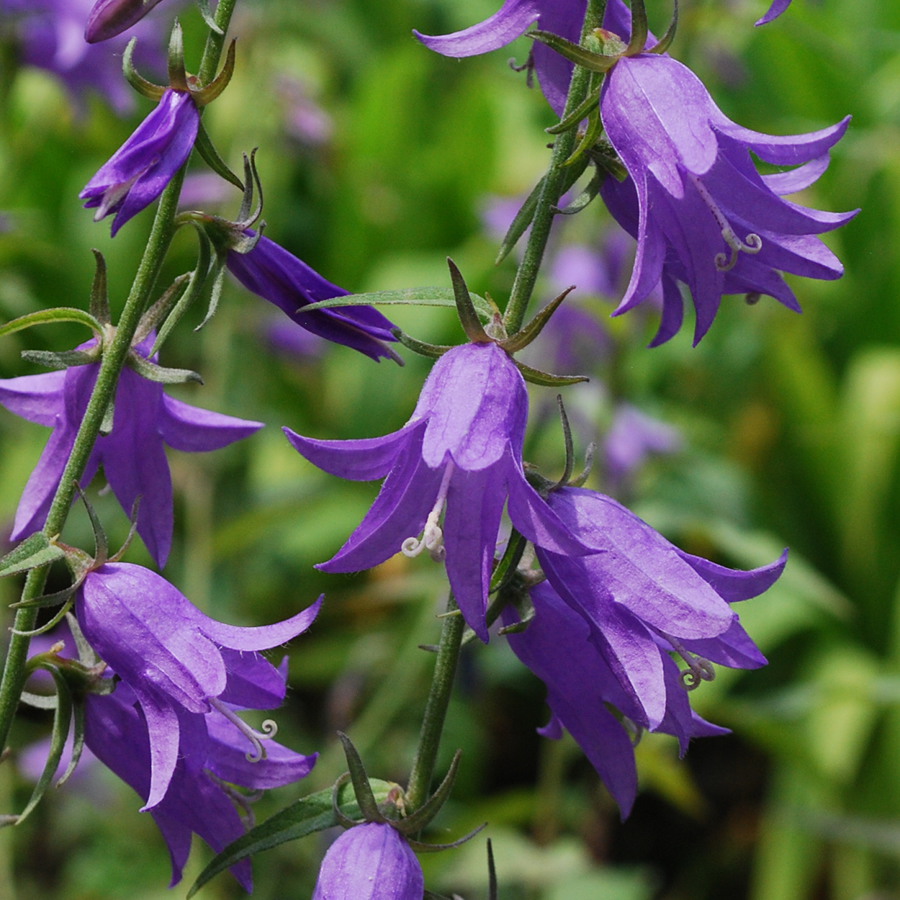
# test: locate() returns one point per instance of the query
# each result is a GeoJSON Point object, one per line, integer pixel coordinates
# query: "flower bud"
{"type": "Point", "coordinates": [370, 862]}
{"type": "Point", "coordinates": [108, 18]}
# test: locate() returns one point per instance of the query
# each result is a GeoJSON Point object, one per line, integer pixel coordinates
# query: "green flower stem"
{"type": "Point", "coordinates": [111, 366]}
{"type": "Point", "coordinates": [422, 773]}
{"type": "Point", "coordinates": [526, 276]}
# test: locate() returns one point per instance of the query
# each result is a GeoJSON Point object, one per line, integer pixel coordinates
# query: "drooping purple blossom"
{"type": "Point", "coordinates": [182, 667]}
{"type": "Point", "coordinates": [108, 18]}
{"type": "Point", "coordinates": [609, 625]}
{"type": "Point", "coordinates": [50, 35]}
{"type": "Point", "coordinates": [370, 862]}
{"type": "Point", "coordinates": [700, 211]}
{"type": "Point", "coordinates": [775, 10]}
{"type": "Point", "coordinates": [460, 456]}
{"type": "Point", "coordinates": [138, 172]}
{"type": "Point", "coordinates": [562, 17]}
{"type": "Point", "coordinates": [132, 455]}
{"type": "Point", "coordinates": [213, 751]}
{"type": "Point", "coordinates": [278, 276]}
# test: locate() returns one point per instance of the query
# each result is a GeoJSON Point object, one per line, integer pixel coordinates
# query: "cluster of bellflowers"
{"type": "Point", "coordinates": [618, 622]}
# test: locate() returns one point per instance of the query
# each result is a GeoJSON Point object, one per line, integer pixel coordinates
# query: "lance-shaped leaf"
{"type": "Point", "coordinates": [304, 817]}
{"type": "Point", "coordinates": [35, 551]}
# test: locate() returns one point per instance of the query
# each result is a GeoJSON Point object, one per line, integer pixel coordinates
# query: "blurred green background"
{"type": "Point", "coordinates": [379, 159]}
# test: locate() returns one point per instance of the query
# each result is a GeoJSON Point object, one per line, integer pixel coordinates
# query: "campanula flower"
{"type": "Point", "coordinates": [609, 628]}
{"type": "Point", "coordinates": [213, 752]}
{"type": "Point", "coordinates": [108, 18]}
{"type": "Point", "coordinates": [562, 17]}
{"type": "Point", "coordinates": [278, 276]}
{"type": "Point", "coordinates": [132, 455]}
{"type": "Point", "coordinates": [370, 862]}
{"type": "Point", "coordinates": [181, 666]}
{"type": "Point", "coordinates": [643, 598]}
{"type": "Point", "coordinates": [138, 172]}
{"type": "Point", "coordinates": [459, 456]}
{"type": "Point", "coordinates": [700, 211]}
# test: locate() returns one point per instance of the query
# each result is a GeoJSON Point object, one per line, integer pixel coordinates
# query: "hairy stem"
{"type": "Point", "coordinates": [533, 256]}
{"type": "Point", "coordinates": [111, 365]}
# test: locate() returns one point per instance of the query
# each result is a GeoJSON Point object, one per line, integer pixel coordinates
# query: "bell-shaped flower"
{"type": "Point", "coordinates": [180, 665]}
{"type": "Point", "coordinates": [370, 862]}
{"type": "Point", "coordinates": [271, 272]}
{"type": "Point", "coordinates": [459, 456]}
{"type": "Point", "coordinates": [560, 646]}
{"type": "Point", "coordinates": [701, 212]}
{"type": "Point", "coordinates": [132, 454]}
{"type": "Point", "coordinates": [108, 18]}
{"type": "Point", "coordinates": [562, 17]}
{"type": "Point", "coordinates": [644, 599]}
{"type": "Point", "coordinates": [213, 755]}
{"type": "Point", "coordinates": [138, 172]}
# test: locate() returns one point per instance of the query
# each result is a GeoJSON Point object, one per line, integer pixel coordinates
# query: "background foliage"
{"type": "Point", "coordinates": [379, 160]}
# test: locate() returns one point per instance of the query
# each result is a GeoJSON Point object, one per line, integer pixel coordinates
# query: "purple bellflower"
{"type": "Point", "coordinates": [370, 862]}
{"type": "Point", "coordinates": [700, 211]}
{"type": "Point", "coordinates": [562, 17]}
{"type": "Point", "coordinates": [460, 456]}
{"type": "Point", "coordinates": [138, 172]}
{"type": "Point", "coordinates": [271, 272]}
{"type": "Point", "coordinates": [187, 673]}
{"type": "Point", "coordinates": [642, 598]}
{"type": "Point", "coordinates": [108, 18]}
{"type": "Point", "coordinates": [132, 454]}
{"type": "Point", "coordinates": [213, 754]}
{"type": "Point", "coordinates": [559, 647]}
{"type": "Point", "coordinates": [775, 10]}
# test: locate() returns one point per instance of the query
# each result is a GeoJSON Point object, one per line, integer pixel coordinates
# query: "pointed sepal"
{"type": "Point", "coordinates": [135, 79]}
{"type": "Point", "coordinates": [536, 376]}
{"type": "Point", "coordinates": [34, 552]}
{"type": "Point", "coordinates": [465, 308]}
{"type": "Point", "coordinates": [526, 335]}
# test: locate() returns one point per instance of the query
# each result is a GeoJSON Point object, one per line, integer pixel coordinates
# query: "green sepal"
{"type": "Point", "coordinates": [48, 600]}
{"type": "Point", "coordinates": [526, 335]}
{"type": "Point", "coordinates": [591, 135]}
{"type": "Point", "coordinates": [418, 819]}
{"type": "Point", "coordinates": [100, 290]}
{"type": "Point", "coordinates": [536, 376]}
{"type": "Point", "coordinates": [595, 62]}
{"type": "Point", "coordinates": [63, 359]}
{"type": "Point", "coordinates": [303, 817]}
{"type": "Point", "coordinates": [422, 296]}
{"type": "Point", "coordinates": [48, 316]}
{"type": "Point", "coordinates": [151, 319]}
{"type": "Point", "coordinates": [211, 91]}
{"type": "Point", "coordinates": [35, 551]}
{"type": "Point", "coordinates": [135, 79]}
{"type": "Point", "coordinates": [160, 374]}
{"type": "Point", "coordinates": [431, 351]}
{"type": "Point", "coordinates": [78, 720]}
{"type": "Point", "coordinates": [178, 79]}
{"type": "Point", "coordinates": [362, 790]}
{"type": "Point", "coordinates": [639, 28]}
{"type": "Point", "coordinates": [465, 308]}
{"type": "Point", "coordinates": [585, 197]}
{"type": "Point", "coordinates": [666, 40]}
{"type": "Point", "coordinates": [590, 103]}
{"type": "Point", "coordinates": [50, 625]}
{"type": "Point", "coordinates": [204, 146]}
{"type": "Point", "coordinates": [60, 731]}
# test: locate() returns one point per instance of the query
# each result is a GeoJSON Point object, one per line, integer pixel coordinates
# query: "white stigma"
{"type": "Point", "coordinates": [256, 738]}
{"type": "Point", "coordinates": [432, 538]}
{"type": "Point", "coordinates": [751, 244]}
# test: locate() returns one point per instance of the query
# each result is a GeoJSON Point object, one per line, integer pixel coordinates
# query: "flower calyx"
{"type": "Point", "coordinates": [393, 811]}
{"type": "Point", "coordinates": [179, 78]}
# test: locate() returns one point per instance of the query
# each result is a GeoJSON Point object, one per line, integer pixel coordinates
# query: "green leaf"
{"type": "Point", "coordinates": [33, 552]}
{"type": "Point", "coordinates": [422, 296]}
{"type": "Point", "coordinates": [304, 817]}
{"type": "Point", "coordinates": [46, 316]}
